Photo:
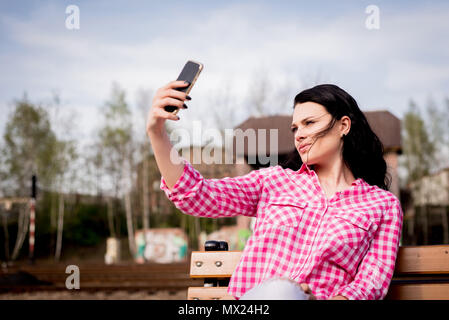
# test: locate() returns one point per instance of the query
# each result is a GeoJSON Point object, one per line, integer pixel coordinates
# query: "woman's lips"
{"type": "Point", "coordinates": [304, 148]}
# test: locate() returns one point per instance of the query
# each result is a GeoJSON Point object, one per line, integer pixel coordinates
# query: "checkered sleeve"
{"type": "Point", "coordinates": [214, 198]}
{"type": "Point", "coordinates": [376, 268]}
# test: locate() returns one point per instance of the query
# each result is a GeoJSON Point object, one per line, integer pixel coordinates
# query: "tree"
{"type": "Point", "coordinates": [270, 94]}
{"type": "Point", "coordinates": [438, 124]}
{"type": "Point", "coordinates": [259, 94]}
{"type": "Point", "coordinates": [224, 107]}
{"type": "Point", "coordinates": [144, 147]}
{"type": "Point", "coordinates": [32, 147]}
{"type": "Point", "coordinates": [419, 151]}
{"type": "Point", "coordinates": [116, 141]}
{"type": "Point", "coordinates": [425, 141]}
{"type": "Point", "coordinates": [66, 156]}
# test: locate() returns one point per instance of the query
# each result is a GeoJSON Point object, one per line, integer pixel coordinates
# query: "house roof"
{"type": "Point", "coordinates": [384, 124]}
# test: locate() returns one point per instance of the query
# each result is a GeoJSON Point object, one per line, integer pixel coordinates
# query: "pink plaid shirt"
{"type": "Point", "coordinates": [345, 245]}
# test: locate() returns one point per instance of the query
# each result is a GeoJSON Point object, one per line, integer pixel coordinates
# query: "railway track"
{"type": "Point", "coordinates": [149, 277]}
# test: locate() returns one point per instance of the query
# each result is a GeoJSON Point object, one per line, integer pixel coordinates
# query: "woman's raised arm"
{"type": "Point", "coordinates": [215, 198]}
{"type": "Point", "coordinates": [165, 96]}
{"type": "Point", "coordinates": [184, 185]}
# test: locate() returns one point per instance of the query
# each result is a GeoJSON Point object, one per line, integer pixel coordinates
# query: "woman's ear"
{"type": "Point", "coordinates": [345, 125]}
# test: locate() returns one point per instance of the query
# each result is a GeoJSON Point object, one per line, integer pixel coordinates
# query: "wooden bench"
{"type": "Point", "coordinates": [421, 273]}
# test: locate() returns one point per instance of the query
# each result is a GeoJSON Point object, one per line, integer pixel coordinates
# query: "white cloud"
{"type": "Point", "coordinates": [381, 67]}
{"type": "Point", "coordinates": [413, 76]}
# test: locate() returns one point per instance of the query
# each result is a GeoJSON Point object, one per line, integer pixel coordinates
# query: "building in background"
{"type": "Point", "coordinates": [427, 214]}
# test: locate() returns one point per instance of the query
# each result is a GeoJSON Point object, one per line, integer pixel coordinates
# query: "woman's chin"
{"type": "Point", "coordinates": [309, 161]}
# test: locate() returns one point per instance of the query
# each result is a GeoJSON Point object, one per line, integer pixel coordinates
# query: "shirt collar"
{"type": "Point", "coordinates": [304, 168]}
{"type": "Point", "coordinates": [357, 182]}
{"type": "Point", "coordinates": [307, 169]}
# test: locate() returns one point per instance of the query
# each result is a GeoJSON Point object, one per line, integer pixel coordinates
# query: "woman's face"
{"type": "Point", "coordinates": [310, 118]}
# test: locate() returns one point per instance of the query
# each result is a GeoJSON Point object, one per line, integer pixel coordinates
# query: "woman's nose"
{"type": "Point", "coordinates": [299, 136]}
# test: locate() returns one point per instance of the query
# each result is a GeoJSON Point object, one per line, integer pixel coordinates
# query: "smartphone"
{"type": "Point", "coordinates": [190, 73]}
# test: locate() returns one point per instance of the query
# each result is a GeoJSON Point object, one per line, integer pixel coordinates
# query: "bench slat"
{"type": "Point", "coordinates": [418, 260]}
{"type": "Point", "coordinates": [423, 259]}
{"type": "Point", "coordinates": [211, 293]}
{"type": "Point", "coordinates": [418, 292]}
{"type": "Point", "coordinates": [396, 292]}
{"type": "Point", "coordinates": [214, 264]}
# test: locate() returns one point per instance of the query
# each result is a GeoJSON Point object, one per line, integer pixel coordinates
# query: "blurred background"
{"type": "Point", "coordinates": [77, 82]}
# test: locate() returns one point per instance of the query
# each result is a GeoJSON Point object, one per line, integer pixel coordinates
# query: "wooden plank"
{"type": "Point", "coordinates": [213, 264]}
{"type": "Point", "coordinates": [411, 259]}
{"type": "Point", "coordinates": [396, 292]}
{"type": "Point", "coordinates": [208, 293]}
{"type": "Point", "coordinates": [423, 259]}
{"type": "Point", "coordinates": [418, 292]}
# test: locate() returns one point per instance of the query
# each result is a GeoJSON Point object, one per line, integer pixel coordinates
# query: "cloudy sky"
{"type": "Point", "coordinates": [144, 44]}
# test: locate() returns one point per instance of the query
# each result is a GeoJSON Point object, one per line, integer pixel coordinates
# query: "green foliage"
{"type": "Point", "coordinates": [32, 147]}
{"type": "Point", "coordinates": [115, 141]}
{"type": "Point", "coordinates": [116, 134]}
{"type": "Point", "coordinates": [418, 148]}
{"type": "Point", "coordinates": [86, 225]}
{"type": "Point", "coordinates": [29, 147]}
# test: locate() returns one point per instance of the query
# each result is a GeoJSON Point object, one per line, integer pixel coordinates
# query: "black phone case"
{"type": "Point", "coordinates": [189, 73]}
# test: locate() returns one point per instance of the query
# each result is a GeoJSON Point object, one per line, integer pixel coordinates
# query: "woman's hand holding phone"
{"type": "Point", "coordinates": [166, 96]}
{"type": "Point", "coordinates": [167, 101]}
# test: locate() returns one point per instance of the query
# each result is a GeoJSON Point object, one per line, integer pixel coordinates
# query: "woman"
{"type": "Point", "coordinates": [330, 226]}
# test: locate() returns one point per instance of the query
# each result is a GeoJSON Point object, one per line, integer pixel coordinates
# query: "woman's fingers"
{"type": "Point", "coordinates": [169, 102]}
{"type": "Point", "coordinates": [305, 287]}
{"type": "Point", "coordinates": [166, 96]}
{"type": "Point", "coordinates": [176, 84]}
{"type": "Point", "coordinates": [161, 113]}
{"type": "Point", "coordinates": [168, 92]}
{"type": "Point", "coordinates": [172, 93]}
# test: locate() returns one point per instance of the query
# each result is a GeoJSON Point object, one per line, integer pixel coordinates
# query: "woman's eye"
{"type": "Point", "coordinates": [307, 123]}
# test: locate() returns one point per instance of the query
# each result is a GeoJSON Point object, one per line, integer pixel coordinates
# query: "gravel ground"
{"type": "Point", "coordinates": [99, 295]}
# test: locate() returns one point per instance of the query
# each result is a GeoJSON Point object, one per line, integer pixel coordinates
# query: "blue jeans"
{"type": "Point", "coordinates": [276, 289]}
